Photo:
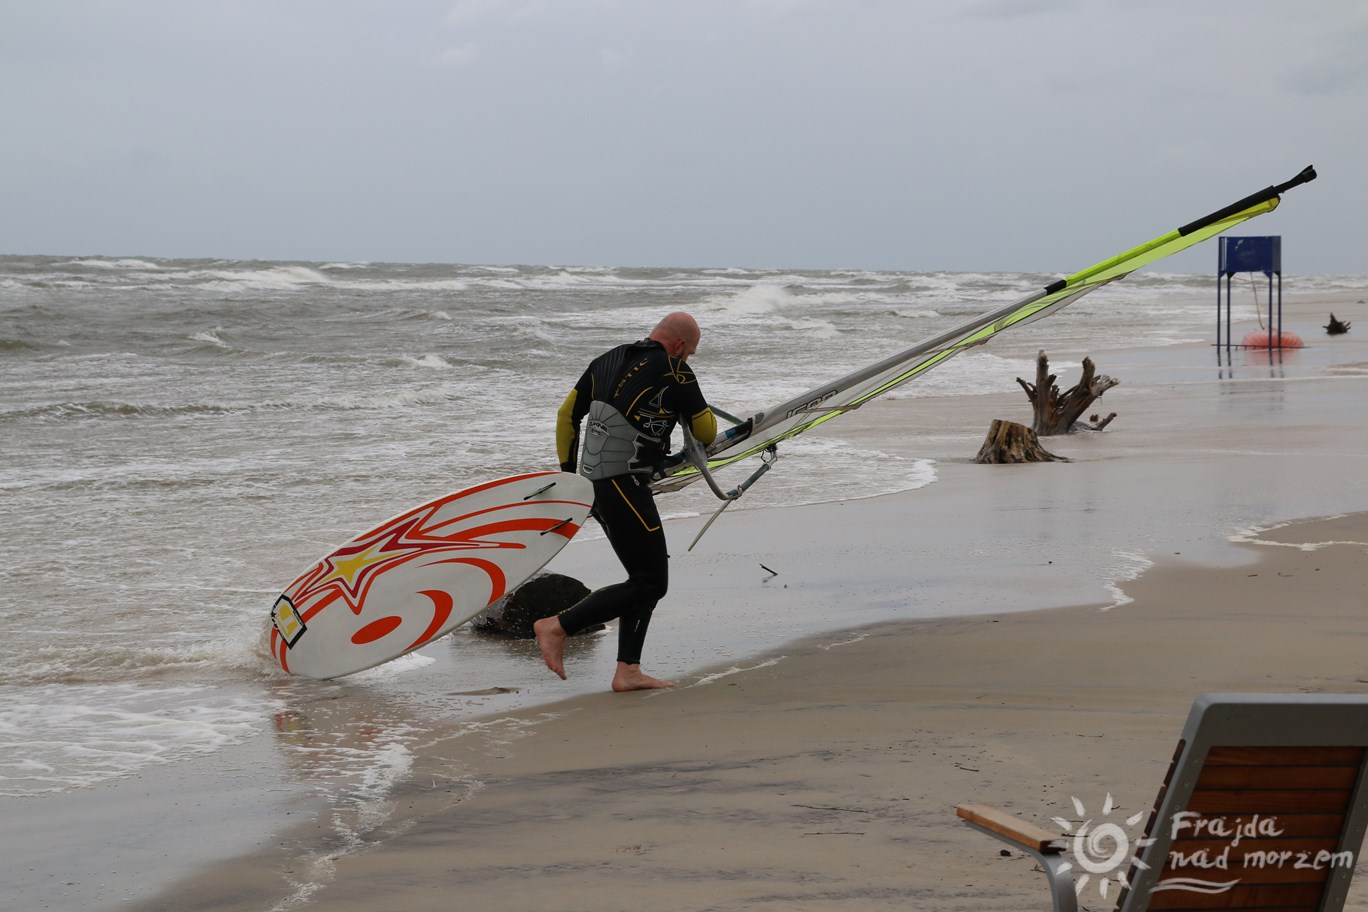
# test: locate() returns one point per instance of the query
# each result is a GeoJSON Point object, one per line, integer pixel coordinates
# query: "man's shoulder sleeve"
{"type": "Point", "coordinates": [692, 405]}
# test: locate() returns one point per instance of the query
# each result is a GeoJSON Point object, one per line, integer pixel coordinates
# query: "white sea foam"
{"type": "Point", "coordinates": [273, 278]}
{"type": "Point", "coordinates": [1124, 567]}
{"type": "Point", "coordinates": [58, 737]}
{"type": "Point", "coordinates": [716, 676]}
{"type": "Point", "coordinates": [403, 665]}
{"type": "Point", "coordinates": [119, 264]}
{"type": "Point", "coordinates": [211, 337]}
{"type": "Point", "coordinates": [858, 638]}
{"type": "Point", "coordinates": [357, 782]}
{"type": "Point", "coordinates": [1257, 535]}
{"type": "Point", "coordinates": [429, 361]}
{"type": "Point", "coordinates": [745, 304]}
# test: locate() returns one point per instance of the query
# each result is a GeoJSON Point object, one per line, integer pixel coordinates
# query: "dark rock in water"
{"type": "Point", "coordinates": [1336, 327]}
{"type": "Point", "coordinates": [542, 596]}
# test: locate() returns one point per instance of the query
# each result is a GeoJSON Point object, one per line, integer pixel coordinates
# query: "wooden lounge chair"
{"type": "Point", "coordinates": [1264, 807]}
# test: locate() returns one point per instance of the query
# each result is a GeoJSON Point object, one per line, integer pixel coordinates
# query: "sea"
{"type": "Point", "coordinates": [180, 438]}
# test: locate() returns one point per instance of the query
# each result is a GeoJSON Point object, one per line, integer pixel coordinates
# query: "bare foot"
{"type": "Point", "coordinates": [630, 677]}
{"type": "Point", "coordinates": [551, 641]}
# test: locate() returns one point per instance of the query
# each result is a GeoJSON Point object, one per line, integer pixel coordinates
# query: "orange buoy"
{"type": "Point", "coordinates": [1264, 339]}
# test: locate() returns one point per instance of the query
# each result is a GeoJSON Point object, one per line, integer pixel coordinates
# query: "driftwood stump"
{"type": "Point", "coordinates": [1008, 442]}
{"type": "Point", "coordinates": [1056, 412]}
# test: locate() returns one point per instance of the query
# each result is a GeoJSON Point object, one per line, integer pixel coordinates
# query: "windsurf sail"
{"type": "Point", "coordinates": [762, 432]}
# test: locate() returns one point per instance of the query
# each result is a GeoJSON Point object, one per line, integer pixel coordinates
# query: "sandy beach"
{"type": "Point", "coordinates": [847, 672]}
{"type": "Point", "coordinates": [825, 777]}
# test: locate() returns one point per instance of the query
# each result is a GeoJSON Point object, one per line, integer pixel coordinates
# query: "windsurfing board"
{"type": "Point", "coordinates": [423, 573]}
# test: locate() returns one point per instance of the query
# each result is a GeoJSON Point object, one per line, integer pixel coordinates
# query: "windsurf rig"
{"type": "Point", "coordinates": [762, 433]}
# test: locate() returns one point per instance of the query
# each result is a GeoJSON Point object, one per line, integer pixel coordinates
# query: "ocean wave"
{"type": "Point", "coordinates": [915, 313]}
{"type": "Point", "coordinates": [211, 337]}
{"type": "Point", "coordinates": [323, 402]}
{"type": "Point", "coordinates": [108, 662]}
{"type": "Point", "coordinates": [974, 372]}
{"type": "Point", "coordinates": [745, 304]}
{"type": "Point", "coordinates": [391, 399]}
{"type": "Point", "coordinates": [535, 329]}
{"type": "Point", "coordinates": [66, 411]}
{"type": "Point", "coordinates": [393, 315]}
{"type": "Point", "coordinates": [20, 345]}
{"type": "Point", "coordinates": [56, 738]}
{"type": "Point", "coordinates": [430, 362]}
{"type": "Point", "coordinates": [126, 263]}
{"type": "Point", "coordinates": [278, 278]}
{"type": "Point", "coordinates": [812, 327]}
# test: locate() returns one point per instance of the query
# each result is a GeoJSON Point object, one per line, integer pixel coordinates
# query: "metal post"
{"type": "Point", "coordinates": [1218, 309]}
{"type": "Point", "coordinates": [1229, 308]}
{"type": "Point", "coordinates": [1279, 301]}
{"type": "Point", "coordinates": [1271, 330]}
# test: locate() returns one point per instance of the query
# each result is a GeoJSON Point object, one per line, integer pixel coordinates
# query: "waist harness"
{"type": "Point", "coordinates": [612, 445]}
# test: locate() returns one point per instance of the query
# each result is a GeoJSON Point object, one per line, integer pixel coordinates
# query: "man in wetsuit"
{"type": "Point", "coordinates": [632, 397]}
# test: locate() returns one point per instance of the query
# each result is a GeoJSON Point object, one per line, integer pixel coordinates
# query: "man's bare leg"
{"type": "Point", "coordinates": [631, 677]}
{"type": "Point", "coordinates": [551, 642]}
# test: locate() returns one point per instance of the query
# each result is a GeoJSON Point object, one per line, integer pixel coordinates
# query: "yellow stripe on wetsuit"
{"type": "Point", "coordinates": [627, 500]}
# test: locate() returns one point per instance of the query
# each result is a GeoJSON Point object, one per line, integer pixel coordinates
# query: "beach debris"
{"type": "Point", "coordinates": [542, 596]}
{"type": "Point", "coordinates": [769, 571]}
{"type": "Point", "coordinates": [1336, 327]}
{"type": "Point", "coordinates": [1009, 443]}
{"type": "Point", "coordinates": [1056, 412]}
{"type": "Point", "coordinates": [829, 807]}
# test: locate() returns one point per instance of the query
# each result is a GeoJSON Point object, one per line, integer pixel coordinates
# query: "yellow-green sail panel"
{"type": "Point", "coordinates": [817, 406]}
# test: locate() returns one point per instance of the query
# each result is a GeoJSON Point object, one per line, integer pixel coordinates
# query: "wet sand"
{"type": "Point", "coordinates": [825, 777]}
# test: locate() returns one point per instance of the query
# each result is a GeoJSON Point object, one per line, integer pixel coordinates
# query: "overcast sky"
{"type": "Point", "coordinates": [1037, 135]}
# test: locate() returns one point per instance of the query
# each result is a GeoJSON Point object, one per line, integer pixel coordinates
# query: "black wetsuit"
{"type": "Point", "coordinates": [653, 391]}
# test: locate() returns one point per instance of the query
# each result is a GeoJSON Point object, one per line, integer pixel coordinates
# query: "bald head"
{"type": "Point", "coordinates": [679, 333]}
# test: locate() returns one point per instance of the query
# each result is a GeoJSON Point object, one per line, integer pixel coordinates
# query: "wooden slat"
{"type": "Point", "coordinates": [1284, 756]}
{"type": "Point", "coordinates": [1277, 777]}
{"type": "Point", "coordinates": [1019, 831]}
{"type": "Point", "coordinates": [1269, 802]}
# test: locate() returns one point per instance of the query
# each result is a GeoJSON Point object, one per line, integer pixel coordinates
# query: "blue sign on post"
{"type": "Point", "coordinates": [1249, 254]}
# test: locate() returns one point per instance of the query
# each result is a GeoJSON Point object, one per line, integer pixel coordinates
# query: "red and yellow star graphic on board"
{"type": "Point", "coordinates": [416, 576]}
